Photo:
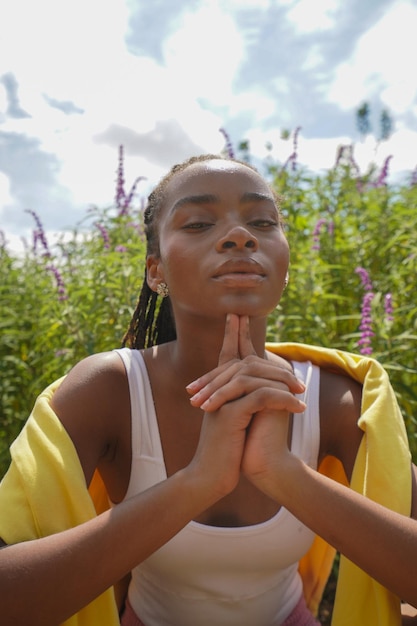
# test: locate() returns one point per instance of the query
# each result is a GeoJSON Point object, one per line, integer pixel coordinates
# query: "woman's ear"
{"type": "Point", "coordinates": [154, 273]}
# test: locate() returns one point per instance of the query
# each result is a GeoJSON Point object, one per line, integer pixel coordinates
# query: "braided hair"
{"type": "Point", "coordinates": [153, 323]}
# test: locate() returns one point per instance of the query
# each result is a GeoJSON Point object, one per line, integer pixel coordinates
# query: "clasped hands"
{"type": "Point", "coordinates": [247, 401]}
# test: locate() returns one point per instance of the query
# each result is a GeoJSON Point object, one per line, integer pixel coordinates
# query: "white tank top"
{"type": "Point", "coordinates": [216, 576]}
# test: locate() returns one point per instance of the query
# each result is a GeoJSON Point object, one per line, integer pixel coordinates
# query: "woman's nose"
{"type": "Point", "coordinates": [238, 237]}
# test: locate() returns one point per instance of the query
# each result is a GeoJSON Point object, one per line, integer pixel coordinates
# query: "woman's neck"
{"type": "Point", "coordinates": [197, 348]}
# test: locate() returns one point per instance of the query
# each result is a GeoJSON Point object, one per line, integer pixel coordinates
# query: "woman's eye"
{"type": "Point", "coordinates": [263, 223]}
{"type": "Point", "coordinates": [197, 225]}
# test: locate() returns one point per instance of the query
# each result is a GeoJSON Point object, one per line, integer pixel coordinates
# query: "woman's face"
{"type": "Point", "coordinates": [222, 249]}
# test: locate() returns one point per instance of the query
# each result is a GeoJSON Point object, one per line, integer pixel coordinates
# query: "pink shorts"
{"type": "Point", "coordinates": [129, 617]}
{"type": "Point", "coordinates": [300, 616]}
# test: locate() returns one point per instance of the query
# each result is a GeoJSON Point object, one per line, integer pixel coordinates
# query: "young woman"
{"type": "Point", "coordinates": [207, 444]}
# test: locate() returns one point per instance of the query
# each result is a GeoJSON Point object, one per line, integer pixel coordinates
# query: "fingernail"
{"type": "Point", "coordinates": [195, 396]}
{"type": "Point", "coordinates": [191, 386]}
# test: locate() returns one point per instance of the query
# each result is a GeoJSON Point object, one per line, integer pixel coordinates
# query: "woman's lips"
{"type": "Point", "coordinates": [245, 267]}
{"type": "Point", "coordinates": [239, 279]}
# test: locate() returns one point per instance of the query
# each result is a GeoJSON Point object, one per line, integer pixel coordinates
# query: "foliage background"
{"type": "Point", "coordinates": [63, 302]}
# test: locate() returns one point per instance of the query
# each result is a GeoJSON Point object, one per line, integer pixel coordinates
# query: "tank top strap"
{"type": "Point", "coordinates": [145, 434]}
{"type": "Point", "coordinates": [305, 442]}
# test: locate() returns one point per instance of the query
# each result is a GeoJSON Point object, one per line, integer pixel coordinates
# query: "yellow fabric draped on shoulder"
{"type": "Point", "coordinates": [44, 490]}
{"type": "Point", "coordinates": [382, 472]}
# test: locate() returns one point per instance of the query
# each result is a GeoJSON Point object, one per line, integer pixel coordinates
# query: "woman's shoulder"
{"type": "Point", "coordinates": [93, 404]}
{"type": "Point", "coordinates": [340, 408]}
{"type": "Point", "coordinates": [98, 373]}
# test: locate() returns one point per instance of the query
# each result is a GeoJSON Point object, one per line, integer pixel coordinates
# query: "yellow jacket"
{"type": "Point", "coordinates": [44, 490]}
{"type": "Point", "coordinates": [382, 472]}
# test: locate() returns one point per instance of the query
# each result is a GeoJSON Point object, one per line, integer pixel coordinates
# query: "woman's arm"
{"type": "Point", "coordinates": [378, 540]}
{"type": "Point", "coordinates": [45, 581]}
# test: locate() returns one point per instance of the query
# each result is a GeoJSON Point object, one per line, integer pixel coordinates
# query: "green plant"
{"type": "Point", "coordinates": [63, 302]}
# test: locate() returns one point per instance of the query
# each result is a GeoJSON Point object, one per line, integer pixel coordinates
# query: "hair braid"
{"type": "Point", "coordinates": [136, 334]}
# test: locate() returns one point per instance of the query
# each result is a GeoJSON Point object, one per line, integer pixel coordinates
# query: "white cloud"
{"type": "Point", "coordinates": [381, 63]}
{"type": "Point", "coordinates": [281, 84]}
{"type": "Point", "coordinates": [5, 197]}
{"type": "Point", "coordinates": [402, 146]}
{"type": "Point", "coordinates": [75, 52]}
{"type": "Point", "coordinates": [64, 45]}
{"type": "Point", "coordinates": [238, 5]}
{"type": "Point", "coordinates": [307, 16]}
{"type": "Point", "coordinates": [259, 104]}
{"type": "Point", "coordinates": [314, 58]}
{"type": "Point", "coordinates": [3, 102]}
{"type": "Point", "coordinates": [204, 53]}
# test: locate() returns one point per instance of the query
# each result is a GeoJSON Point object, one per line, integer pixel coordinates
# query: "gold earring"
{"type": "Point", "coordinates": [162, 290]}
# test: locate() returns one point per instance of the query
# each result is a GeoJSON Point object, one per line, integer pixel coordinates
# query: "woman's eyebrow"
{"type": "Point", "coordinates": [209, 198]}
{"type": "Point", "coordinates": [204, 198]}
{"type": "Point", "coordinates": [251, 196]}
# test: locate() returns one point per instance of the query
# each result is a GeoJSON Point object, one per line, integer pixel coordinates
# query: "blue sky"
{"type": "Point", "coordinates": [79, 78]}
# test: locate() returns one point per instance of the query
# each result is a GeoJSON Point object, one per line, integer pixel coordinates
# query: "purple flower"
{"type": "Point", "coordinates": [364, 276]}
{"type": "Point", "coordinates": [295, 147]}
{"type": "Point", "coordinates": [39, 234]}
{"type": "Point", "coordinates": [128, 199]}
{"type": "Point", "coordinates": [344, 155]}
{"type": "Point", "coordinates": [353, 162]}
{"type": "Point", "coordinates": [229, 146]}
{"type": "Point", "coordinates": [345, 152]}
{"type": "Point", "coordinates": [121, 249]}
{"type": "Point", "coordinates": [318, 226]}
{"type": "Point", "coordinates": [120, 183]}
{"type": "Point", "coordinates": [35, 217]}
{"type": "Point", "coordinates": [414, 177]}
{"type": "Point", "coordinates": [293, 157]}
{"type": "Point", "coordinates": [316, 233]}
{"type": "Point", "coordinates": [365, 326]}
{"type": "Point", "coordinates": [339, 154]}
{"type": "Point", "coordinates": [381, 182]}
{"type": "Point", "coordinates": [104, 234]}
{"type": "Point", "coordinates": [388, 307]}
{"type": "Point", "coordinates": [122, 200]}
{"type": "Point", "coordinates": [62, 292]}
{"type": "Point", "coordinates": [61, 352]}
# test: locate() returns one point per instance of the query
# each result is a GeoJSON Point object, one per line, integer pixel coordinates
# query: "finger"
{"type": "Point", "coordinates": [228, 353]}
{"type": "Point", "coordinates": [260, 370]}
{"type": "Point", "coordinates": [230, 347]}
{"type": "Point", "coordinates": [199, 383]}
{"type": "Point", "coordinates": [261, 399]}
{"type": "Point", "coordinates": [245, 341]}
{"type": "Point", "coordinates": [243, 386]}
{"type": "Point", "coordinates": [211, 382]}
